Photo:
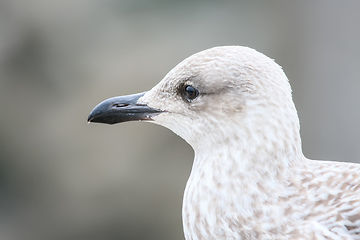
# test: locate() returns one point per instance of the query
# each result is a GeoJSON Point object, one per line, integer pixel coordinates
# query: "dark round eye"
{"type": "Point", "coordinates": [190, 92]}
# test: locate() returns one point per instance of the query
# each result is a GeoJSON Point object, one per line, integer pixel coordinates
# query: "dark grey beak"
{"type": "Point", "coordinates": [122, 109]}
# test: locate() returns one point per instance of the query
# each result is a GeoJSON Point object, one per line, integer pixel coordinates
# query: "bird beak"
{"type": "Point", "coordinates": [122, 109]}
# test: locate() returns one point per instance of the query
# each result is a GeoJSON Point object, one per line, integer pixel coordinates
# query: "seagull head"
{"type": "Point", "coordinates": [214, 96]}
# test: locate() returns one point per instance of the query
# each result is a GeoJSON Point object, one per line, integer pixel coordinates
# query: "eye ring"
{"type": "Point", "coordinates": [190, 92]}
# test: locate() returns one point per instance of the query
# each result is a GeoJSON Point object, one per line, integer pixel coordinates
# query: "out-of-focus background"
{"type": "Point", "coordinates": [61, 178]}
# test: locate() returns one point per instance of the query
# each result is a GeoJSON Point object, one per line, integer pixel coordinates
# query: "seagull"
{"type": "Point", "coordinates": [249, 179]}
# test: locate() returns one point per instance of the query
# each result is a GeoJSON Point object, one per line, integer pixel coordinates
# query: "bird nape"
{"type": "Point", "coordinates": [250, 179]}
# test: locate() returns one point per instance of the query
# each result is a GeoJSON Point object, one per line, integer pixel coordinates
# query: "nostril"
{"type": "Point", "coordinates": [119, 105]}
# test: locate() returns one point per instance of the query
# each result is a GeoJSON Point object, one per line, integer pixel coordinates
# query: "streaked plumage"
{"type": "Point", "coordinates": [250, 179]}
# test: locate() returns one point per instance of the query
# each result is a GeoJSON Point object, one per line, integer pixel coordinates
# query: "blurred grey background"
{"type": "Point", "coordinates": [61, 178]}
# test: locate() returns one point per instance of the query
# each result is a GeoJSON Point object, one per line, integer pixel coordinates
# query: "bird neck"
{"type": "Point", "coordinates": [227, 185]}
{"type": "Point", "coordinates": [264, 149]}
{"type": "Point", "coordinates": [249, 160]}
{"type": "Point", "coordinates": [246, 162]}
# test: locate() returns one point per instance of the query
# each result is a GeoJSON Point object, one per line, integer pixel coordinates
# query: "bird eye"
{"type": "Point", "coordinates": [190, 92]}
